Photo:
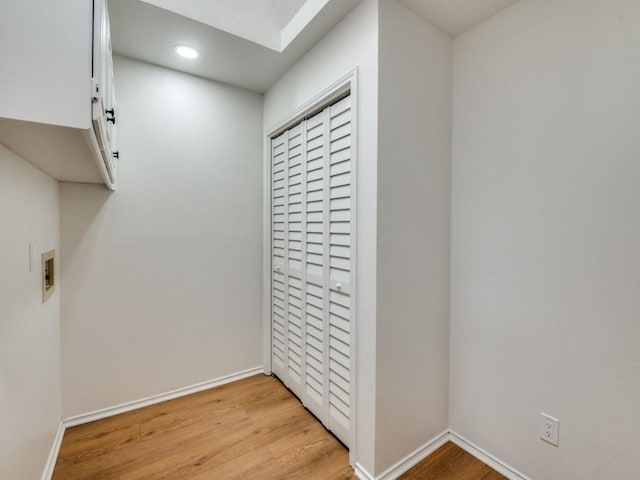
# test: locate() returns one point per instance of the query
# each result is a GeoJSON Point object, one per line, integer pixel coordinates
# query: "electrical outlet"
{"type": "Point", "coordinates": [549, 429]}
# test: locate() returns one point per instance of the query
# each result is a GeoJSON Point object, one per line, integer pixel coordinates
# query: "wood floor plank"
{"type": "Point", "coordinates": [196, 457]}
{"type": "Point", "coordinates": [250, 429]}
{"type": "Point", "coordinates": [100, 443]}
{"type": "Point", "coordinates": [315, 461]}
{"type": "Point", "coordinates": [256, 465]}
{"type": "Point", "coordinates": [450, 462]}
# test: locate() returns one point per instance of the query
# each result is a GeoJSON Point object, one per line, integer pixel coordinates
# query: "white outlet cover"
{"type": "Point", "coordinates": [549, 429]}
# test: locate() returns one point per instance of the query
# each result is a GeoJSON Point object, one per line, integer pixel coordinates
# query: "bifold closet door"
{"type": "Point", "coordinates": [312, 211]}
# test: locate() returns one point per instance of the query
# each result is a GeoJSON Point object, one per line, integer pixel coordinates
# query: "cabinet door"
{"type": "Point", "coordinates": [45, 62]}
{"type": "Point", "coordinates": [104, 113]}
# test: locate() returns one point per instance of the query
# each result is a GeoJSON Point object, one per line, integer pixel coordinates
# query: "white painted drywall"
{"type": "Point", "coordinates": [414, 180]}
{"type": "Point", "coordinates": [352, 43]}
{"type": "Point", "coordinates": [546, 237]}
{"type": "Point", "coordinates": [457, 16]}
{"type": "Point", "coordinates": [256, 20]}
{"type": "Point", "coordinates": [45, 61]}
{"type": "Point", "coordinates": [30, 400]}
{"type": "Point", "coordinates": [162, 279]}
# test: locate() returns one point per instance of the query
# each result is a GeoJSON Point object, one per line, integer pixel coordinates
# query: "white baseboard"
{"type": "Point", "coordinates": [361, 473]}
{"type": "Point", "coordinates": [53, 454]}
{"type": "Point", "coordinates": [485, 457]}
{"type": "Point", "coordinates": [163, 397]}
{"type": "Point", "coordinates": [127, 407]}
{"type": "Point", "coordinates": [431, 446]}
{"type": "Point", "coordinates": [408, 462]}
{"type": "Point", "coordinates": [415, 457]}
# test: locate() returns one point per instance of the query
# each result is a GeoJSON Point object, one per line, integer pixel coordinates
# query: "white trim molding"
{"type": "Point", "coordinates": [415, 457]}
{"type": "Point", "coordinates": [408, 462]}
{"type": "Point", "coordinates": [487, 458]}
{"type": "Point", "coordinates": [163, 397]}
{"type": "Point", "coordinates": [362, 473]}
{"type": "Point", "coordinates": [391, 473]}
{"type": "Point", "coordinates": [431, 446]}
{"type": "Point", "coordinates": [347, 83]}
{"type": "Point", "coordinates": [53, 454]}
{"type": "Point", "coordinates": [134, 405]}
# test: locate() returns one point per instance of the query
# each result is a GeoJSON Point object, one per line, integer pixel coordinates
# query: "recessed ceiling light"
{"type": "Point", "coordinates": [186, 52]}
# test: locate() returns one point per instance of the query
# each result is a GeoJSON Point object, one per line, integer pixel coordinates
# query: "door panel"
{"type": "Point", "coordinates": [312, 264]}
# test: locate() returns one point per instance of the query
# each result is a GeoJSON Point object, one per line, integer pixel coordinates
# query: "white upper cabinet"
{"type": "Point", "coordinates": [103, 87]}
{"type": "Point", "coordinates": [57, 99]}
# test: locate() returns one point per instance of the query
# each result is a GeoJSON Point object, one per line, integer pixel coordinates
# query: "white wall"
{"type": "Point", "coordinates": [546, 237]}
{"type": "Point", "coordinates": [30, 400]}
{"type": "Point", "coordinates": [352, 43]}
{"type": "Point", "coordinates": [414, 179]}
{"type": "Point", "coordinates": [162, 278]}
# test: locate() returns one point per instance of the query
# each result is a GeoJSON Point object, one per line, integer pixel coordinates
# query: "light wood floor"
{"type": "Point", "coordinates": [450, 462]}
{"type": "Point", "coordinates": [251, 429]}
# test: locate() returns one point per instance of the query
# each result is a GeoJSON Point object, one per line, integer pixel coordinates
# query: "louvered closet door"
{"type": "Point", "coordinates": [312, 269]}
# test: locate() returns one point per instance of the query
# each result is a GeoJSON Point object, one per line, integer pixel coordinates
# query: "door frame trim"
{"type": "Point", "coordinates": [345, 84]}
